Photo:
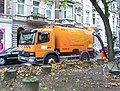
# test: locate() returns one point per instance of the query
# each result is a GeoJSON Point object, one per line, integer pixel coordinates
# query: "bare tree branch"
{"type": "Point", "coordinates": [97, 7]}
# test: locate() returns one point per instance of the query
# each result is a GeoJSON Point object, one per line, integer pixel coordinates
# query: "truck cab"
{"type": "Point", "coordinates": [35, 44]}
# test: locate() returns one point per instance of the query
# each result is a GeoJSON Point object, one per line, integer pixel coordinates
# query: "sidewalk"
{"type": "Point", "coordinates": [97, 56]}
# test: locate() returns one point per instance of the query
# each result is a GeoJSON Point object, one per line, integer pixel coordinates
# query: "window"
{"type": "Point", "coordinates": [36, 7]}
{"type": "Point", "coordinates": [94, 15]}
{"type": "Point", "coordinates": [117, 21]}
{"type": "Point", "coordinates": [113, 20]}
{"type": "Point", "coordinates": [78, 15]}
{"type": "Point", "coordinates": [93, 18]}
{"type": "Point", "coordinates": [1, 6]}
{"type": "Point", "coordinates": [78, 18]}
{"type": "Point", "coordinates": [113, 7]}
{"type": "Point", "coordinates": [68, 12]}
{"type": "Point", "coordinates": [48, 11]}
{"type": "Point", "coordinates": [87, 17]}
{"type": "Point", "coordinates": [27, 38]}
{"type": "Point", "coordinates": [97, 22]}
{"type": "Point", "coordinates": [43, 37]}
{"type": "Point", "coordinates": [21, 6]}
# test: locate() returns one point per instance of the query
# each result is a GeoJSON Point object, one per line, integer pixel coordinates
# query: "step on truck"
{"type": "Point", "coordinates": [46, 45]}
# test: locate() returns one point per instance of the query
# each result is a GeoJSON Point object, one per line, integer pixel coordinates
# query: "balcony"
{"type": "Point", "coordinates": [36, 19]}
{"type": "Point", "coordinates": [67, 21]}
{"type": "Point", "coordinates": [5, 18]}
{"type": "Point", "coordinates": [19, 18]}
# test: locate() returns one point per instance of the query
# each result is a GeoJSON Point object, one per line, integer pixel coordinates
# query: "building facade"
{"type": "Point", "coordinates": [118, 23]}
{"type": "Point", "coordinates": [26, 14]}
{"type": "Point", "coordinates": [29, 14]}
{"type": "Point", "coordinates": [5, 27]}
{"type": "Point", "coordinates": [99, 25]}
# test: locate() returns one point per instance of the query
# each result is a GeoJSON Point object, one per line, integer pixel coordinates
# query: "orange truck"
{"type": "Point", "coordinates": [46, 45]}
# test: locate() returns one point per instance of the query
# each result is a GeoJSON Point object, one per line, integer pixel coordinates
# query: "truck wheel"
{"type": "Point", "coordinates": [84, 57]}
{"type": "Point", "coordinates": [50, 59]}
{"type": "Point", "coordinates": [2, 61]}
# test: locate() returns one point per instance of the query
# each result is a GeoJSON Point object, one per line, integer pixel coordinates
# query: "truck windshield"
{"type": "Point", "coordinates": [27, 38]}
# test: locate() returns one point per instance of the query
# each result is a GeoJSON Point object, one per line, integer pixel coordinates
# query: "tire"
{"type": "Point", "coordinates": [2, 61]}
{"type": "Point", "coordinates": [84, 57]}
{"type": "Point", "coordinates": [50, 59]}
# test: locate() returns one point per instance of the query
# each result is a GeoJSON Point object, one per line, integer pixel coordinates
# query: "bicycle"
{"type": "Point", "coordinates": [112, 67]}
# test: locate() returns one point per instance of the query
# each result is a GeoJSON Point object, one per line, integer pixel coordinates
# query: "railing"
{"type": "Point", "coordinates": [36, 17]}
{"type": "Point", "coordinates": [35, 14]}
{"type": "Point", "coordinates": [5, 16]}
{"type": "Point", "coordinates": [67, 21]}
{"type": "Point", "coordinates": [20, 17]}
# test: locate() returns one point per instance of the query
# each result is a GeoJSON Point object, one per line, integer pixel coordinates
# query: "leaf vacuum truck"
{"type": "Point", "coordinates": [46, 45]}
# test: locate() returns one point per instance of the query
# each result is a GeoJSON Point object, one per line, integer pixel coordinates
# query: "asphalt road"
{"type": "Point", "coordinates": [14, 64]}
{"type": "Point", "coordinates": [18, 64]}
{"type": "Point", "coordinates": [23, 64]}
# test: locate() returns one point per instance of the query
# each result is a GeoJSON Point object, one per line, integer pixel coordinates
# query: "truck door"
{"type": "Point", "coordinates": [44, 44]}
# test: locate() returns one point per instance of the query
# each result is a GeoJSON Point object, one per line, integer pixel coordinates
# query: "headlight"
{"type": "Point", "coordinates": [32, 54]}
{"type": "Point", "coordinates": [18, 57]}
{"type": "Point", "coordinates": [31, 60]}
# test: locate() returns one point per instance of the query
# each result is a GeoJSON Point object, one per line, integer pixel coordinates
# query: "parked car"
{"type": "Point", "coordinates": [9, 55]}
{"type": "Point", "coordinates": [116, 50]}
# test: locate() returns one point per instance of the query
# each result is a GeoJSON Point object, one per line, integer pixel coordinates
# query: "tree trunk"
{"type": "Point", "coordinates": [109, 39]}
{"type": "Point", "coordinates": [46, 69]}
{"type": "Point", "coordinates": [69, 65]}
{"type": "Point", "coordinates": [105, 17]}
{"type": "Point", "coordinates": [10, 75]}
{"type": "Point", "coordinates": [30, 84]}
{"type": "Point", "coordinates": [57, 11]}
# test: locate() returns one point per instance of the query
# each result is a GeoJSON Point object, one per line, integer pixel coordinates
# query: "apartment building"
{"type": "Point", "coordinates": [99, 25]}
{"type": "Point", "coordinates": [73, 14]}
{"type": "Point", "coordinates": [114, 21]}
{"type": "Point", "coordinates": [5, 27]}
{"type": "Point", "coordinates": [29, 14]}
{"type": "Point", "coordinates": [118, 23]}
{"type": "Point", "coordinates": [87, 13]}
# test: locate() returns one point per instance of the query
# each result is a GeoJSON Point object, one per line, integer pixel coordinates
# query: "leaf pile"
{"type": "Point", "coordinates": [83, 74]}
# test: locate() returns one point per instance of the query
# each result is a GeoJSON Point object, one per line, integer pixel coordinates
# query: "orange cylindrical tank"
{"type": "Point", "coordinates": [68, 39]}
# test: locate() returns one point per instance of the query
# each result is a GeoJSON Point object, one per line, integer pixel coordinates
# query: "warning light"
{"type": "Point", "coordinates": [49, 26]}
{"type": "Point", "coordinates": [89, 28]}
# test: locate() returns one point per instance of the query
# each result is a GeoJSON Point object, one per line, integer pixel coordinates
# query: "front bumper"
{"type": "Point", "coordinates": [27, 59]}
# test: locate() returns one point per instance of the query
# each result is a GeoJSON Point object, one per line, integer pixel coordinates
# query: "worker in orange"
{"type": "Point", "coordinates": [102, 54]}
